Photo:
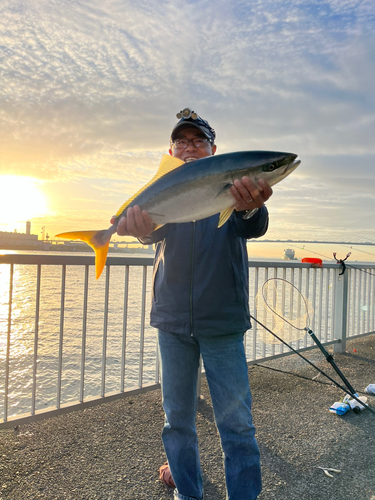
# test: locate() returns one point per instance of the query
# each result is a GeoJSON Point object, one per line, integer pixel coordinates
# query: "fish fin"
{"type": "Point", "coordinates": [98, 241]}
{"type": "Point", "coordinates": [224, 216]}
{"type": "Point", "coordinates": [167, 164]}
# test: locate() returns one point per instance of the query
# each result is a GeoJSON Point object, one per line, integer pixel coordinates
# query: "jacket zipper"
{"type": "Point", "coordinates": [191, 280]}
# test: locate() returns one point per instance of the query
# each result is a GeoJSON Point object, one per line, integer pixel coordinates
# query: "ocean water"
{"type": "Point", "coordinates": [22, 335]}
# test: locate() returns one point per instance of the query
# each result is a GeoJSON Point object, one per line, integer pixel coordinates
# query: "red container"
{"type": "Point", "coordinates": [313, 261]}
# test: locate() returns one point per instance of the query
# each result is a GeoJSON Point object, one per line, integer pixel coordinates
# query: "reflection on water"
{"type": "Point", "coordinates": [23, 336]}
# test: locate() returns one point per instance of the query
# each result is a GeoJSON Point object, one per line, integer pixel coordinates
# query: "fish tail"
{"type": "Point", "coordinates": [98, 241]}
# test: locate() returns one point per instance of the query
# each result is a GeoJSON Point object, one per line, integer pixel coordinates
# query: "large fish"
{"type": "Point", "coordinates": [184, 192]}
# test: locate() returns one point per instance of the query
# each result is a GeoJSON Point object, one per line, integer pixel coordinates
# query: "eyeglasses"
{"type": "Point", "coordinates": [198, 143]}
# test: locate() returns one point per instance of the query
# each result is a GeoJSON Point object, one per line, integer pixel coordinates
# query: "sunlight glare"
{"type": "Point", "coordinates": [21, 199]}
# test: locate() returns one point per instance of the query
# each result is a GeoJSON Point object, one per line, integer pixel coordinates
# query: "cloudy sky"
{"type": "Point", "coordinates": [89, 92]}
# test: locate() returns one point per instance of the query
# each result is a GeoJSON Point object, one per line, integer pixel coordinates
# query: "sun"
{"type": "Point", "coordinates": [21, 199]}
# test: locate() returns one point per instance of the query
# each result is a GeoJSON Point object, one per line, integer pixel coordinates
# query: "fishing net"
{"type": "Point", "coordinates": [284, 310]}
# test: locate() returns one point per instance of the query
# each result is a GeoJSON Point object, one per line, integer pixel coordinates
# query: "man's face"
{"type": "Point", "coordinates": [191, 153]}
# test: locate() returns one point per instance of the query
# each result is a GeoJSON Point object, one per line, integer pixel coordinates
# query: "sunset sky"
{"type": "Point", "coordinates": [89, 92]}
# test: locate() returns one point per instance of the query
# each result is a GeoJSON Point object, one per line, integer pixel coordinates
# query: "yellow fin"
{"type": "Point", "coordinates": [224, 216]}
{"type": "Point", "coordinates": [100, 259]}
{"type": "Point", "coordinates": [167, 164]}
{"type": "Point", "coordinates": [94, 239]}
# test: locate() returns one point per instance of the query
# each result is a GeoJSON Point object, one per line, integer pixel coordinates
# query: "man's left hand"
{"type": "Point", "coordinates": [249, 195]}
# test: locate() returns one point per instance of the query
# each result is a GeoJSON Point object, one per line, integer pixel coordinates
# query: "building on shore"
{"type": "Point", "coordinates": [28, 241]}
{"type": "Point", "coordinates": [20, 241]}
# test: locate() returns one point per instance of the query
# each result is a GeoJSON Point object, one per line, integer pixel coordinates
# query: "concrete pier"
{"type": "Point", "coordinates": [114, 451]}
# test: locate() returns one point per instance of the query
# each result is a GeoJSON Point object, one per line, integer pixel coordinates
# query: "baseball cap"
{"type": "Point", "coordinates": [191, 119]}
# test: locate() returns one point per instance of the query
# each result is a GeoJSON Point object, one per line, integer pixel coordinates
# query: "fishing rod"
{"type": "Point", "coordinates": [269, 294]}
{"type": "Point", "coordinates": [353, 394]}
{"type": "Point", "coordinates": [311, 251]}
{"type": "Point", "coordinates": [361, 270]}
{"type": "Point", "coordinates": [358, 250]}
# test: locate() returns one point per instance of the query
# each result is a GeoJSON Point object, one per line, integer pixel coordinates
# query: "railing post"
{"type": "Point", "coordinates": [340, 311]}
{"type": "Point", "coordinates": [7, 359]}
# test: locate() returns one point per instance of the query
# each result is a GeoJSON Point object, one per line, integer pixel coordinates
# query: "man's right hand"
{"type": "Point", "coordinates": [137, 223]}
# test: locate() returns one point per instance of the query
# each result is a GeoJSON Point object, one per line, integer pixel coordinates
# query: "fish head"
{"type": "Point", "coordinates": [273, 167]}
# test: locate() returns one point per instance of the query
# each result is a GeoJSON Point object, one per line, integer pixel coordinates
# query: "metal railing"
{"type": "Point", "coordinates": [51, 365]}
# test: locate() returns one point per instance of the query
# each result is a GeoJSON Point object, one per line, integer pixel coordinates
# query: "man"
{"type": "Point", "coordinates": [201, 308]}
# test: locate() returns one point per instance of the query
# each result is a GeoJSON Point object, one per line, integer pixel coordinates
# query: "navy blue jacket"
{"type": "Point", "coordinates": [201, 274]}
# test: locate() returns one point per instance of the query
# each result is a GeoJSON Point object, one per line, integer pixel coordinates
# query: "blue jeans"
{"type": "Point", "coordinates": [227, 376]}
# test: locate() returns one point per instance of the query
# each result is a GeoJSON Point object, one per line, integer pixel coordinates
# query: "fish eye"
{"type": "Point", "coordinates": [272, 167]}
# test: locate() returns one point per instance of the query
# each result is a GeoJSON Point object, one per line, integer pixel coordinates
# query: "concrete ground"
{"type": "Point", "coordinates": [114, 451]}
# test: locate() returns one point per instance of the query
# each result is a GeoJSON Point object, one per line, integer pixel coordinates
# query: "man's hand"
{"type": "Point", "coordinates": [137, 223]}
{"type": "Point", "coordinates": [249, 195]}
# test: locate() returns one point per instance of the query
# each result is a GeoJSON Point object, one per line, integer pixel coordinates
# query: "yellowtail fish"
{"type": "Point", "coordinates": [184, 192]}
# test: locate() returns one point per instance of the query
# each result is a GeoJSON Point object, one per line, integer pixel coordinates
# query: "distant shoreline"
{"type": "Point", "coordinates": [77, 247]}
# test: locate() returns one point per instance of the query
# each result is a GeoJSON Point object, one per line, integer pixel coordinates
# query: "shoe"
{"type": "Point", "coordinates": [165, 476]}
